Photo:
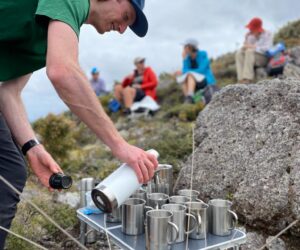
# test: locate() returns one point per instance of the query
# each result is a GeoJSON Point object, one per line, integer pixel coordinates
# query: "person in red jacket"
{"type": "Point", "coordinates": [135, 87]}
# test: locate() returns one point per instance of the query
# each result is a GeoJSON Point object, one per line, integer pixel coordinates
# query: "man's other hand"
{"type": "Point", "coordinates": [42, 164]}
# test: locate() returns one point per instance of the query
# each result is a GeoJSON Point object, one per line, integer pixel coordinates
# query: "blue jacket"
{"type": "Point", "coordinates": [203, 66]}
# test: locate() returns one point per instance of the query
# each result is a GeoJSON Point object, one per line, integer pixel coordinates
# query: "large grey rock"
{"type": "Point", "coordinates": [248, 150]}
{"type": "Point", "coordinates": [294, 54]}
{"type": "Point", "coordinates": [277, 244]}
{"type": "Point", "coordinates": [254, 241]}
{"type": "Point", "coordinates": [291, 70]}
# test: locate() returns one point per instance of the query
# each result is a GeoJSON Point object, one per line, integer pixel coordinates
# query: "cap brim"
{"type": "Point", "coordinates": [140, 25]}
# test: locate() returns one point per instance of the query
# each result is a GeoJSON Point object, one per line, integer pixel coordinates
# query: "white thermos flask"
{"type": "Point", "coordinates": [117, 187]}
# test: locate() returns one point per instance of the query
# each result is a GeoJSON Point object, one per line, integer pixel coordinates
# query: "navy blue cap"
{"type": "Point", "coordinates": [140, 25]}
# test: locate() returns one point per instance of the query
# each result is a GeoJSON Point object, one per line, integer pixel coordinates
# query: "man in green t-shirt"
{"type": "Point", "coordinates": [38, 33]}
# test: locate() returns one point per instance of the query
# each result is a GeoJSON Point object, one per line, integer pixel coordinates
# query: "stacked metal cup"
{"type": "Point", "coordinates": [158, 226]}
{"type": "Point", "coordinates": [179, 218]}
{"type": "Point", "coordinates": [133, 216]}
{"type": "Point", "coordinates": [222, 219]}
{"type": "Point", "coordinates": [156, 200]}
{"type": "Point", "coordinates": [199, 210]}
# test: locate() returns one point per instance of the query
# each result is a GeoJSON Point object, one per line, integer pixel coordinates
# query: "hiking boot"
{"type": "Point", "coordinates": [127, 111]}
{"type": "Point", "coordinates": [188, 99]}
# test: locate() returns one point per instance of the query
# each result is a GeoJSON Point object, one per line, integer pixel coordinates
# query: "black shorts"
{"type": "Point", "coordinates": [140, 94]}
{"type": "Point", "coordinates": [13, 169]}
{"type": "Point", "coordinates": [201, 85]}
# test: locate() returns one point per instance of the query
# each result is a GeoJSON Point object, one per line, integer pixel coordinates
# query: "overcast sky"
{"type": "Point", "coordinates": [219, 26]}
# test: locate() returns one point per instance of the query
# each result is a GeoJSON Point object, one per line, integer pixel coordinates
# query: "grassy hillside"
{"type": "Point", "coordinates": [81, 154]}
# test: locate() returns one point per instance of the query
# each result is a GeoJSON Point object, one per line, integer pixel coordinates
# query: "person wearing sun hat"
{"type": "Point", "coordinates": [253, 52]}
{"type": "Point", "coordinates": [39, 33]}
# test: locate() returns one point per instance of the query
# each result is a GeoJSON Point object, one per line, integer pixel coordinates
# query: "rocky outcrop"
{"type": "Point", "coordinates": [247, 149]}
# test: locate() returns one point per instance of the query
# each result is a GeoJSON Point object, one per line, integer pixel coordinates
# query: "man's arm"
{"type": "Point", "coordinates": [73, 88]}
{"type": "Point", "coordinates": [11, 106]}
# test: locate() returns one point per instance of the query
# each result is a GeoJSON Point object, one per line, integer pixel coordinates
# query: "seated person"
{"type": "Point", "coordinates": [257, 42]}
{"type": "Point", "coordinates": [97, 83]}
{"type": "Point", "coordinates": [196, 70]}
{"type": "Point", "coordinates": [135, 87]}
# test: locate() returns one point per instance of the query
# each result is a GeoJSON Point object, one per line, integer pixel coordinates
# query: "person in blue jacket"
{"type": "Point", "coordinates": [196, 73]}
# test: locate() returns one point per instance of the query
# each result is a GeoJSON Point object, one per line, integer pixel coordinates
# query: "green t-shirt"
{"type": "Point", "coordinates": [23, 31]}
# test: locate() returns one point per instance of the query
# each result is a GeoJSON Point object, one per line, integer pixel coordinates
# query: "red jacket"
{"type": "Point", "coordinates": [148, 85]}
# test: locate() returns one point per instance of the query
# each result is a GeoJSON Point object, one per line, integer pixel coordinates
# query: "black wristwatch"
{"type": "Point", "coordinates": [28, 145]}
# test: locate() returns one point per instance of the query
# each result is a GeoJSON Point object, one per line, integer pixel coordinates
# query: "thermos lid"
{"type": "Point", "coordinates": [104, 199]}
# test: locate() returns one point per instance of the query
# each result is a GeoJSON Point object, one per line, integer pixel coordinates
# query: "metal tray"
{"type": "Point", "coordinates": [127, 242]}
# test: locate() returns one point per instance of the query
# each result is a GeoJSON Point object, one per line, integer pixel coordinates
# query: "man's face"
{"type": "Point", "coordinates": [95, 76]}
{"type": "Point", "coordinates": [140, 66]}
{"type": "Point", "coordinates": [114, 15]}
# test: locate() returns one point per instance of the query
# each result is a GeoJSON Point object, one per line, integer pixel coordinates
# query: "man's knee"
{"type": "Point", "coordinates": [250, 52]}
{"type": "Point", "coordinates": [190, 78]}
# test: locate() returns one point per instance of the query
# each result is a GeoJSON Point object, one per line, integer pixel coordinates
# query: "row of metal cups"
{"type": "Point", "coordinates": [186, 215]}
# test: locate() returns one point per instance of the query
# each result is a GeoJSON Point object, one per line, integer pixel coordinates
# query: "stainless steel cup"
{"type": "Point", "coordinates": [200, 211]}
{"type": "Point", "coordinates": [192, 194]}
{"type": "Point", "coordinates": [162, 181]}
{"type": "Point", "coordinates": [133, 216]}
{"type": "Point", "coordinates": [222, 219]}
{"type": "Point", "coordinates": [115, 216]}
{"type": "Point", "coordinates": [178, 199]}
{"type": "Point", "coordinates": [140, 194]}
{"type": "Point", "coordinates": [179, 218]}
{"type": "Point", "coordinates": [156, 200]}
{"type": "Point", "coordinates": [158, 226]}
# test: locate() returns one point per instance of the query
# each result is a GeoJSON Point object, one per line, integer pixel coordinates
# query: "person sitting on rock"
{"type": "Point", "coordinates": [196, 73]}
{"type": "Point", "coordinates": [97, 83]}
{"type": "Point", "coordinates": [136, 86]}
{"type": "Point", "coordinates": [252, 54]}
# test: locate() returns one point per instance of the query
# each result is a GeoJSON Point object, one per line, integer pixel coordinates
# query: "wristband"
{"type": "Point", "coordinates": [28, 145]}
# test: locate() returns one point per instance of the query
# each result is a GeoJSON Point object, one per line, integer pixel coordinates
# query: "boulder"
{"type": "Point", "coordinates": [254, 241]}
{"type": "Point", "coordinates": [247, 144]}
{"type": "Point", "coordinates": [294, 54]}
{"type": "Point", "coordinates": [277, 244]}
{"type": "Point", "coordinates": [291, 70]}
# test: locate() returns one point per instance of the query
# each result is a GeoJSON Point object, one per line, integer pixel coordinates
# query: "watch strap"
{"type": "Point", "coordinates": [28, 145]}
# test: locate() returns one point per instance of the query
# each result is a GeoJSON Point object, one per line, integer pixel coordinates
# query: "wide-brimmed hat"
{"type": "Point", "coordinates": [255, 25]}
{"type": "Point", "coordinates": [140, 25]}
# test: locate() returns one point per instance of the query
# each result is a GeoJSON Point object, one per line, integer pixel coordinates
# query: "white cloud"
{"type": "Point", "coordinates": [218, 25]}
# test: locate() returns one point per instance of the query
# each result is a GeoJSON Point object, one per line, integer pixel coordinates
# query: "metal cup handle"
{"type": "Point", "coordinates": [177, 232]}
{"type": "Point", "coordinates": [235, 219]}
{"type": "Point", "coordinates": [195, 223]}
{"type": "Point", "coordinates": [148, 208]}
{"type": "Point", "coordinates": [199, 200]}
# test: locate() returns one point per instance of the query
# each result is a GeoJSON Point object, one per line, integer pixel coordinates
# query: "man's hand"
{"type": "Point", "coordinates": [42, 164]}
{"type": "Point", "coordinates": [136, 86]}
{"type": "Point", "coordinates": [143, 163]}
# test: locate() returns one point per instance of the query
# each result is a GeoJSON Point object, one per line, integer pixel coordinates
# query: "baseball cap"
{"type": "Point", "coordinates": [191, 41]}
{"type": "Point", "coordinates": [140, 25]}
{"type": "Point", "coordinates": [255, 25]}
{"type": "Point", "coordinates": [139, 60]}
{"type": "Point", "coordinates": [95, 70]}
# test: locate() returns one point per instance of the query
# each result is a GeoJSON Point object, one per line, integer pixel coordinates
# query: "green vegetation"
{"type": "Point", "coordinates": [30, 224]}
{"type": "Point", "coordinates": [289, 34]}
